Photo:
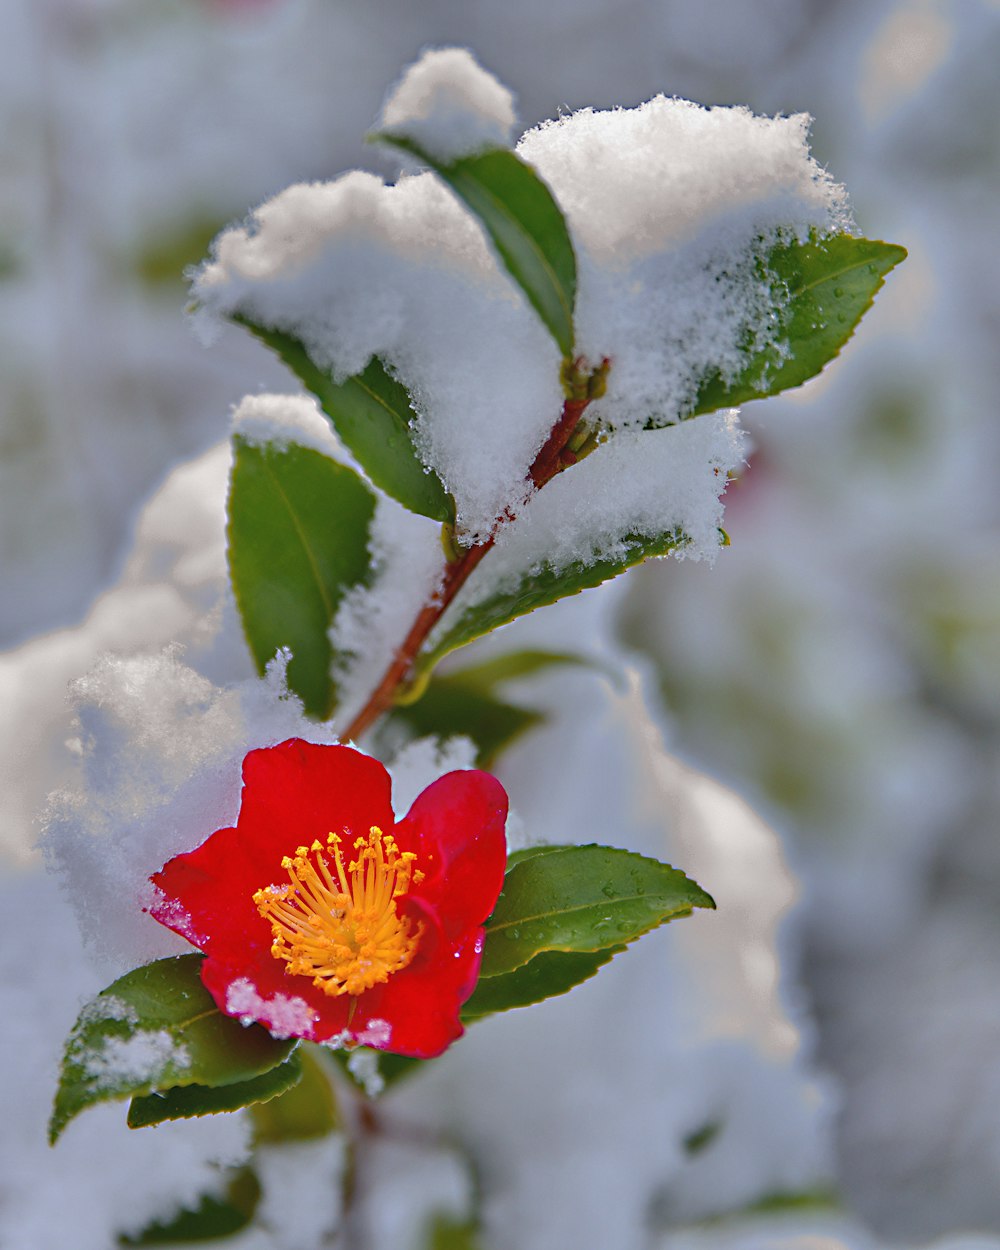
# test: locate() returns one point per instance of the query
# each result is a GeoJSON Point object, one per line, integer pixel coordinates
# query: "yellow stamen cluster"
{"type": "Point", "coordinates": [340, 925]}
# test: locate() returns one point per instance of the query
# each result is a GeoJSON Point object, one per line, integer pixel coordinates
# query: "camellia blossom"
{"type": "Point", "coordinates": [320, 917]}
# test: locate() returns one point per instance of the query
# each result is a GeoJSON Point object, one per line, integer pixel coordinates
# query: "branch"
{"type": "Point", "coordinates": [553, 457]}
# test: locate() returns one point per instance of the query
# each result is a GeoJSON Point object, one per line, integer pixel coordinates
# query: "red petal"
{"type": "Point", "coordinates": [421, 1004]}
{"type": "Point", "coordinates": [298, 791]}
{"type": "Point", "coordinates": [292, 793]}
{"type": "Point", "coordinates": [456, 826]}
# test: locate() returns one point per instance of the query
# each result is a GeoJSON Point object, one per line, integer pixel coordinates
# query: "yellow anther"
{"type": "Point", "coordinates": [339, 926]}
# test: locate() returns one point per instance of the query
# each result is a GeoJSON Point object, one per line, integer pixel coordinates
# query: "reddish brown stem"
{"type": "Point", "coordinates": [546, 465]}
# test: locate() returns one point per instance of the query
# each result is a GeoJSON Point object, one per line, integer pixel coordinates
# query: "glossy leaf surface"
{"type": "Point", "coordinates": [372, 415]}
{"type": "Point", "coordinates": [582, 899]}
{"type": "Point", "coordinates": [186, 1101]}
{"type": "Point", "coordinates": [462, 624]}
{"type": "Point", "coordinates": [545, 976]}
{"type": "Point", "coordinates": [298, 540]}
{"type": "Point", "coordinates": [155, 1028]}
{"type": "Point", "coordinates": [825, 286]}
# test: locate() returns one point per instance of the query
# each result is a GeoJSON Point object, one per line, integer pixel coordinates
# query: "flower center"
{"type": "Point", "coordinates": [340, 925]}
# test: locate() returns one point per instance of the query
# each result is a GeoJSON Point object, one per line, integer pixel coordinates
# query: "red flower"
{"type": "Point", "coordinates": [322, 918]}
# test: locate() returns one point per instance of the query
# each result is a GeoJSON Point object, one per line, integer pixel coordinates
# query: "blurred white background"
{"type": "Point", "coordinates": [840, 666]}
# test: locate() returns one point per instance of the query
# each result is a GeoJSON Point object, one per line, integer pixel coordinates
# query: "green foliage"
{"type": "Point", "coordinates": [546, 585]}
{"type": "Point", "coordinates": [548, 974]}
{"type": "Point", "coordinates": [167, 255]}
{"type": "Point", "coordinates": [702, 1137]}
{"type": "Point", "coordinates": [185, 1101]}
{"type": "Point", "coordinates": [824, 287]}
{"type": "Point", "coordinates": [157, 1028]}
{"type": "Point", "coordinates": [305, 1111]}
{"type": "Point", "coordinates": [449, 706]}
{"type": "Point", "coordinates": [446, 1232]}
{"type": "Point", "coordinates": [465, 703]}
{"type": "Point", "coordinates": [524, 223]}
{"type": "Point", "coordinates": [371, 413]}
{"type": "Point", "coordinates": [298, 539]}
{"type": "Point", "coordinates": [582, 899]}
{"type": "Point", "coordinates": [211, 1219]}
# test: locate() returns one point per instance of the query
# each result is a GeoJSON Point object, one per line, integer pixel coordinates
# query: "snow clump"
{"type": "Point", "coordinates": [672, 208]}
{"type": "Point", "coordinates": [450, 106]}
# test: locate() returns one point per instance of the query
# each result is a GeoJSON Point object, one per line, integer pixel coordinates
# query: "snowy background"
{"type": "Point", "coordinates": [832, 1035]}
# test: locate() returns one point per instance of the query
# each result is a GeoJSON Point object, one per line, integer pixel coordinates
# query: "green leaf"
{"type": "Point", "coordinates": [155, 1028]}
{"type": "Point", "coordinates": [211, 1219]}
{"type": "Point", "coordinates": [529, 852]}
{"type": "Point", "coordinates": [298, 539]}
{"type": "Point", "coordinates": [514, 664]}
{"type": "Point", "coordinates": [461, 625]}
{"type": "Point", "coordinates": [524, 223]}
{"type": "Point", "coordinates": [825, 287]}
{"type": "Point", "coordinates": [166, 255]}
{"type": "Point", "coordinates": [448, 1232]}
{"type": "Point", "coordinates": [465, 703]}
{"type": "Point", "coordinates": [450, 706]}
{"type": "Point", "coordinates": [582, 898]}
{"type": "Point", "coordinates": [548, 974]}
{"type": "Point", "coordinates": [372, 415]}
{"type": "Point", "coordinates": [306, 1111]}
{"type": "Point", "coordinates": [184, 1101]}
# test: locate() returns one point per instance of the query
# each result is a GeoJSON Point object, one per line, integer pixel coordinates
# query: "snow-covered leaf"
{"type": "Point", "coordinates": [371, 413]}
{"type": "Point", "coordinates": [298, 539]}
{"type": "Point", "coordinates": [212, 1218]}
{"type": "Point", "coordinates": [524, 223]}
{"type": "Point", "coordinates": [462, 624]}
{"type": "Point", "coordinates": [185, 1101]}
{"type": "Point", "coordinates": [825, 287]}
{"type": "Point", "coordinates": [155, 1028]}
{"type": "Point", "coordinates": [584, 899]}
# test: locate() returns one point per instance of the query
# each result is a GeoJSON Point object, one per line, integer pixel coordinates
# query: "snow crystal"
{"type": "Point", "coordinates": [281, 421]}
{"type": "Point", "coordinates": [287, 1014]}
{"type": "Point", "coordinates": [671, 207]}
{"type": "Point", "coordinates": [375, 1033]}
{"type": "Point", "coordinates": [633, 182]}
{"type": "Point", "coordinates": [450, 106]}
{"type": "Point", "coordinates": [140, 1059]}
{"type": "Point", "coordinates": [642, 483]}
{"type": "Point", "coordinates": [108, 1007]}
{"type": "Point", "coordinates": [363, 1066]}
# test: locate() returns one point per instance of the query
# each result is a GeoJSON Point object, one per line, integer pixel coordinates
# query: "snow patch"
{"type": "Point", "coordinates": [449, 105]}
{"type": "Point", "coordinates": [283, 1015]}
{"type": "Point", "coordinates": [283, 421]}
{"type": "Point", "coordinates": [140, 1059]}
{"type": "Point", "coordinates": [363, 1066]}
